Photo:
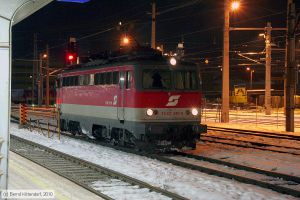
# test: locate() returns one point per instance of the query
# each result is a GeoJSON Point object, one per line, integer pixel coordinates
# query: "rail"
{"type": "Point", "coordinates": [267, 141]}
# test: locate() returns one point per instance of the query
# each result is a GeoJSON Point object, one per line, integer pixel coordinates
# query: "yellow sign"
{"type": "Point", "coordinates": [240, 91]}
{"type": "Point", "coordinates": [239, 95]}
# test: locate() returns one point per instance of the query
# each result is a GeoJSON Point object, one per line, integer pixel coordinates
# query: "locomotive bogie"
{"type": "Point", "coordinates": [140, 134]}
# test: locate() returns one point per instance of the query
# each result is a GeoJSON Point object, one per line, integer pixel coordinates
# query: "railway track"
{"type": "Point", "coordinates": [211, 137]}
{"type": "Point", "coordinates": [281, 183]}
{"type": "Point", "coordinates": [104, 182]}
{"type": "Point", "coordinates": [255, 133]}
{"type": "Point", "coordinates": [252, 145]}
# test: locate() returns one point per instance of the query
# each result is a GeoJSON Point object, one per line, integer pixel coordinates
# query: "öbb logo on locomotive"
{"type": "Point", "coordinates": [173, 100]}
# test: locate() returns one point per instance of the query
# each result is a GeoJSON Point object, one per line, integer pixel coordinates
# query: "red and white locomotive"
{"type": "Point", "coordinates": [138, 99]}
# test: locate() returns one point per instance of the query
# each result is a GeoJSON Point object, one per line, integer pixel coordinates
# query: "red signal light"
{"type": "Point", "coordinates": [70, 57]}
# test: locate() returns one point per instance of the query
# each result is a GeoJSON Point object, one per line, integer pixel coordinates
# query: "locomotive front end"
{"type": "Point", "coordinates": [170, 105]}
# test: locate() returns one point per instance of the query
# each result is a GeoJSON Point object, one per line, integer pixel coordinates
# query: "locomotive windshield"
{"type": "Point", "coordinates": [166, 79]}
{"type": "Point", "coordinates": [185, 80]}
{"type": "Point", "coordinates": [156, 79]}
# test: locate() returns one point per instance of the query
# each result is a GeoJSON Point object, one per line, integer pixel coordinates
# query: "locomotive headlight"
{"type": "Point", "coordinates": [195, 111]}
{"type": "Point", "coordinates": [150, 112]}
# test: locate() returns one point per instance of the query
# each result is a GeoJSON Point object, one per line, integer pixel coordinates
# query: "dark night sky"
{"type": "Point", "coordinates": [200, 24]}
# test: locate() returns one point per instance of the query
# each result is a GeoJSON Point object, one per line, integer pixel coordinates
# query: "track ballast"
{"type": "Point", "coordinates": [102, 181]}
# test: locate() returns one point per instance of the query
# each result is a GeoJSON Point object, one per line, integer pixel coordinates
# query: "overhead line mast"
{"type": "Point", "coordinates": [290, 69]}
{"type": "Point", "coordinates": [153, 32]}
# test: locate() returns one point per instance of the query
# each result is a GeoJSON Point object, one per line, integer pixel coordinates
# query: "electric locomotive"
{"type": "Point", "coordinates": [138, 99]}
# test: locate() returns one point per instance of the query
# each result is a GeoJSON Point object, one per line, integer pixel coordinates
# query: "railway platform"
{"type": "Point", "coordinates": [26, 175]}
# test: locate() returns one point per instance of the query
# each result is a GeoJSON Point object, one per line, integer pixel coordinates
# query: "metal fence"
{"type": "Point", "coordinates": [45, 120]}
{"type": "Point", "coordinates": [251, 115]}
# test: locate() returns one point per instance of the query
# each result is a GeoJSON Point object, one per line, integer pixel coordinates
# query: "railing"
{"type": "Point", "coordinates": [40, 118]}
{"type": "Point", "coordinates": [253, 115]}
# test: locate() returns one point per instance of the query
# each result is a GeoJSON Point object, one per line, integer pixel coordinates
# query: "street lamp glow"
{"type": "Point", "coordinates": [248, 68]}
{"type": "Point", "coordinates": [235, 5]}
{"type": "Point", "coordinates": [173, 61]}
{"type": "Point", "coordinates": [125, 40]}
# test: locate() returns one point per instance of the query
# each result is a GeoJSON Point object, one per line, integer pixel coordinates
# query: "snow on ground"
{"type": "Point", "coordinates": [188, 183]}
{"type": "Point", "coordinates": [278, 162]}
{"type": "Point", "coordinates": [267, 160]}
{"type": "Point", "coordinates": [117, 189]}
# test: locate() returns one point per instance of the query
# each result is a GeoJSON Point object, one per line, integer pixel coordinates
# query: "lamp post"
{"type": "Point", "coordinates": [41, 78]}
{"type": "Point", "coordinates": [251, 76]}
{"type": "Point", "coordinates": [225, 70]}
{"type": "Point", "coordinates": [153, 28]}
{"type": "Point", "coordinates": [268, 69]}
{"type": "Point", "coordinates": [47, 101]}
{"type": "Point", "coordinates": [290, 69]}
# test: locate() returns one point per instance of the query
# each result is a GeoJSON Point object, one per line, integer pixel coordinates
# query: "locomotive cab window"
{"type": "Point", "coordinates": [84, 79]}
{"type": "Point", "coordinates": [122, 80]}
{"type": "Point", "coordinates": [115, 78]}
{"type": "Point", "coordinates": [74, 80]}
{"type": "Point", "coordinates": [128, 79]}
{"type": "Point", "coordinates": [185, 80]}
{"type": "Point", "coordinates": [108, 78]}
{"type": "Point", "coordinates": [70, 81]}
{"type": "Point", "coordinates": [156, 79]}
{"type": "Point", "coordinates": [65, 81]}
{"type": "Point", "coordinates": [99, 79]}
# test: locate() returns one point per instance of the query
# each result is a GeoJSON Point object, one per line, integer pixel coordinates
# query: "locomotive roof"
{"type": "Point", "coordinates": [141, 56]}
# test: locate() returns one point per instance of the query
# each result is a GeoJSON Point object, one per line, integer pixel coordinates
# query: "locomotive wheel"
{"type": "Point", "coordinates": [100, 132]}
{"type": "Point", "coordinates": [74, 128]}
{"type": "Point", "coordinates": [97, 133]}
{"type": "Point", "coordinates": [114, 142]}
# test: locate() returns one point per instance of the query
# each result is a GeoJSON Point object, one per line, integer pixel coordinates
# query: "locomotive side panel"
{"type": "Point", "coordinates": [95, 103]}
